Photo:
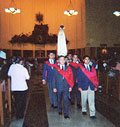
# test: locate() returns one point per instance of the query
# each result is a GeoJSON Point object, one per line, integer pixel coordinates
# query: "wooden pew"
{"type": "Point", "coordinates": [1, 107]}
{"type": "Point", "coordinates": [119, 86]}
{"type": "Point", "coordinates": [108, 102]}
{"type": "Point", "coordinates": [5, 103]}
{"type": "Point", "coordinates": [9, 98]}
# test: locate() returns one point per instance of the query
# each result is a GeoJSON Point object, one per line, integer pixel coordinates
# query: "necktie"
{"type": "Point", "coordinates": [51, 61]}
{"type": "Point", "coordinates": [88, 68]}
{"type": "Point", "coordinates": [62, 68]}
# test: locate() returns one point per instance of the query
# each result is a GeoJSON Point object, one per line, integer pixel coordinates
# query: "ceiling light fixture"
{"type": "Point", "coordinates": [116, 13]}
{"type": "Point", "coordinates": [12, 8]}
{"type": "Point", "coordinates": [70, 11]}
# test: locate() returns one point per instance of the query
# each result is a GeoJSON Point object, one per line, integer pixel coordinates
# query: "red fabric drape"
{"type": "Point", "coordinates": [67, 74]}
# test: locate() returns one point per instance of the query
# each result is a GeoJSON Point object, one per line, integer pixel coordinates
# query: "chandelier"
{"type": "Point", "coordinates": [116, 13]}
{"type": "Point", "coordinates": [12, 8]}
{"type": "Point", "coordinates": [70, 11]}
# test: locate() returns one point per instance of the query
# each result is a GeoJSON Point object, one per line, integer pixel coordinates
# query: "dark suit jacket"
{"type": "Point", "coordinates": [83, 81]}
{"type": "Point", "coordinates": [47, 73]}
{"type": "Point", "coordinates": [59, 81]}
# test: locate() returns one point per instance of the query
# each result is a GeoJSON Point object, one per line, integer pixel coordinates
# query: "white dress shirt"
{"type": "Point", "coordinates": [19, 75]}
{"type": "Point", "coordinates": [51, 61]}
{"type": "Point", "coordinates": [62, 67]}
{"type": "Point", "coordinates": [87, 67]}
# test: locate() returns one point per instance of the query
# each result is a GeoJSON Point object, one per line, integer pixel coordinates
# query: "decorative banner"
{"type": "Point", "coordinates": [2, 55]}
{"type": "Point", "coordinates": [61, 43]}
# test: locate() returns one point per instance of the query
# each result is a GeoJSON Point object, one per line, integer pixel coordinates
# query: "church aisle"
{"type": "Point", "coordinates": [76, 118]}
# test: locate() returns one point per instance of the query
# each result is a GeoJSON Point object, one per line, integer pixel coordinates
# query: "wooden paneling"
{"type": "Point", "coordinates": [53, 16]}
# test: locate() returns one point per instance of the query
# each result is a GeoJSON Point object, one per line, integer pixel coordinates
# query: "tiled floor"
{"type": "Point", "coordinates": [76, 119]}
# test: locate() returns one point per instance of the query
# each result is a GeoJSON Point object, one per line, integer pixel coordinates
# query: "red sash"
{"type": "Point", "coordinates": [67, 74]}
{"type": "Point", "coordinates": [92, 75]}
{"type": "Point", "coordinates": [75, 65]}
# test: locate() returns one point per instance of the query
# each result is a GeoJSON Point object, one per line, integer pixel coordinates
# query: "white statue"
{"type": "Point", "coordinates": [61, 43]}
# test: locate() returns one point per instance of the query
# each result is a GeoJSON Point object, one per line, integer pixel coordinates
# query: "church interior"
{"type": "Point", "coordinates": [29, 29]}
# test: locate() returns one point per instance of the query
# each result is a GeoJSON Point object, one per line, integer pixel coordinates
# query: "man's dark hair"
{"type": "Point", "coordinates": [86, 56]}
{"type": "Point", "coordinates": [51, 53]}
{"type": "Point", "coordinates": [18, 60]}
{"type": "Point", "coordinates": [61, 56]}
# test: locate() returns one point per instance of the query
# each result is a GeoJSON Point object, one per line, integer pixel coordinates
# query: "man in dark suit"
{"type": "Point", "coordinates": [87, 83]}
{"type": "Point", "coordinates": [47, 76]}
{"type": "Point", "coordinates": [63, 83]}
{"type": "Point", "coordinates": [75, 94]}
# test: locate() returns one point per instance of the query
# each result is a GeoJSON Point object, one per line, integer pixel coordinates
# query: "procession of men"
{"type": "Point", "coordinates": [72, 83]}
{"type": "Point", "coordinates": [70, 79]}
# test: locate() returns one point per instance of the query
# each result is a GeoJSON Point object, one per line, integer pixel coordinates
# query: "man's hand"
{"type": "Point", "coordinates": [68, 63]}
{"type": "Point", "coordinates": [79, 89]}
{"type": "Point", "coordinates": [55, 90]}
{"type": "Point", "coordinates": [70, 89]}
{"type": "Point", "coordinates": [44, 82]}
{"type": "Point", "coordinates": [95, 89]}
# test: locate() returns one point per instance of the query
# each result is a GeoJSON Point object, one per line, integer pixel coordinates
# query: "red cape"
{"type": "Point", "coordinates": [75, 65]}
{"type": "Point", "coordinates": [67, 74]}
{"type": "Point", "coordinates": [92, 75]}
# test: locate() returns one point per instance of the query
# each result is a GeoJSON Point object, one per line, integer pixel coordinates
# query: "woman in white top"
{"type": "Point", "coordinates": [19, 75]}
